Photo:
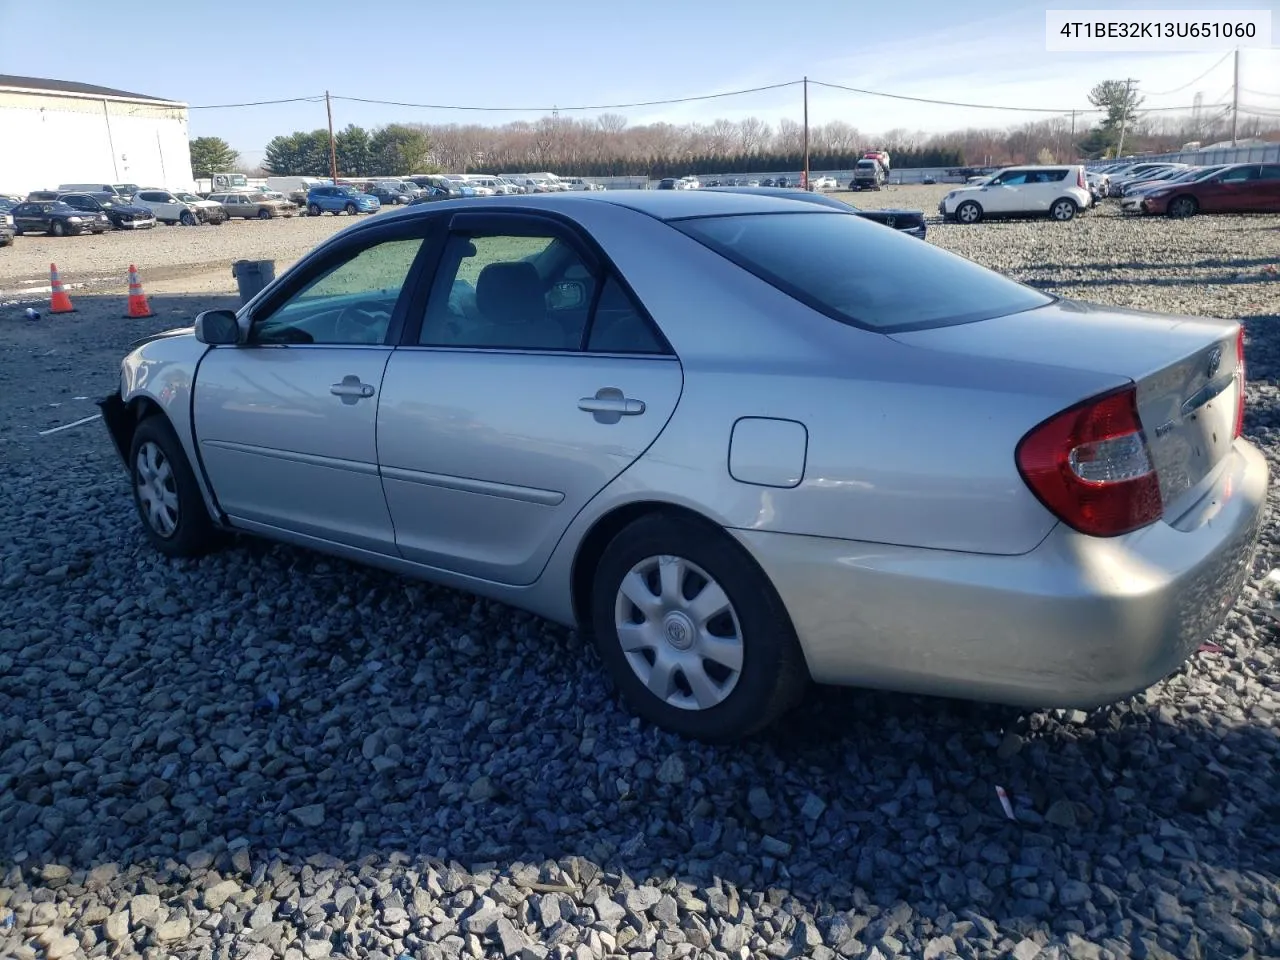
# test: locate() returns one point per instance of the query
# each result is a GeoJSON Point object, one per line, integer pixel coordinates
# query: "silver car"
{"type": "Point", "coordinates": [742, 442]}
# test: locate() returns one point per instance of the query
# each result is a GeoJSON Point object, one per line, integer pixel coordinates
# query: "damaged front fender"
{"type": "Point", "coordinates": [120, 424]}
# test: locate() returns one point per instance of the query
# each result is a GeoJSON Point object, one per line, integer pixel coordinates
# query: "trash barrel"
{"type": "Point", "coordinates": [252, 275]}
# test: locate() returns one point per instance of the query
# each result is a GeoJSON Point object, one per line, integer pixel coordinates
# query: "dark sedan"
{"type": "Point", "coordinates": [388, 197]}
{"type": "Point", "coordinates": [123, 216]}
{"type": "Point", "coordinates": [1240, 188]}
{"type": "Point", "coordinates": [905, 221]}
{"type": "Point", "coordinates": [57, 219]}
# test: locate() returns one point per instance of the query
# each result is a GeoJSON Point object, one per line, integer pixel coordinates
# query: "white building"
{"type": "Point", "coordinates": [55, 131]}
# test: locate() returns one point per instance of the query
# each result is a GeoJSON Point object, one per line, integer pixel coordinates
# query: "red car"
{"type": "Point", "coordinates": [1239, 188]}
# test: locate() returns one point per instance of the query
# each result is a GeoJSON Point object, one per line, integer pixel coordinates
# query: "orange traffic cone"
{"type": "Point", "coordinates": [59, 301]}
{"type": "Point", "coordinates": [138, 306]}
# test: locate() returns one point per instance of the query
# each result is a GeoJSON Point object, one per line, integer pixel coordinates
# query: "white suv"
{"type": "Point", "coordinates": [1059, 192]}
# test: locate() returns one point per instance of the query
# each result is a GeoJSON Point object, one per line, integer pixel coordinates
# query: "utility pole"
{"type": "Point", "coordinates": [1235, 97]}
{"type": "Point", "coordinates": [333, 146]}
{"type": "Point", "coordinates": [806, 133]}
{"type": "Point", "coordinates": [1124, 115]}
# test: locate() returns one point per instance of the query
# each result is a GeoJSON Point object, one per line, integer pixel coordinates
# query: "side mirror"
{"type": "Point", "coordinates": [217, 328]}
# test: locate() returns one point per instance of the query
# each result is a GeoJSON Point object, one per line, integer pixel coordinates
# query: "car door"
{"type": "Point", "coordinates": [285, 422]}
{"type": "Point", "coordinates": [530, 381]}
{"type": "Point", "coordinates": [26, 216]}
{"type": "Point", "coordinates": [1005, 193]}
{"type": "Point", "coordinates": [1268, 188]}
{"type": "Point", "coordinates": [1231, 191]}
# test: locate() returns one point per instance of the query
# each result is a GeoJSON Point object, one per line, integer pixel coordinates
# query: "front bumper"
{"type": "Point", "coordinates": [1077, 622]}
{"type": "Point", "coordinates": [137, 223]}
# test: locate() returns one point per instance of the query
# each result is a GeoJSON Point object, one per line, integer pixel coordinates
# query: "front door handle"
{"type": "Point", "coordinates": [351, 389]}
{"type": "Point", "coordinates": [610, 405]}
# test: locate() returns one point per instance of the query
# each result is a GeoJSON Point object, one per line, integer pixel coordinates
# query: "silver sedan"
{"type": "Point", "coordinates": [743, 443]}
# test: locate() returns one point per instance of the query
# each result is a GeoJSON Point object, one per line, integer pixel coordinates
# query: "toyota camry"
{"type": "Point", "coordinates": [743, 443]}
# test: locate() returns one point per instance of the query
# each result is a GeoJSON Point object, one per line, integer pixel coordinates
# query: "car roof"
{"type": "Point", "coordinates": [660, 204]}
{"type": "Point", "coordinates": [788, 194]}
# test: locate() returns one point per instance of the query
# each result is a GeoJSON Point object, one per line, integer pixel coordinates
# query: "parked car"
{"type": "Point", "coordinates": [1059, 192]}
{"type": "Point", "coordinates": [252, 205]}
{"type": "Point", "coordinates": [386, 196]}
{"type": "Point", "coordinates": [910, 222]}
{"type": "Point", "coordinates": [178, 206]}
{"type": "Point", "coordinates": [1239, 188]}
{"type": "Point", "coordinates": [431, 194]}
{"type": "Point", "coordinates": [1131, 202]}
{"type": "Point", "coordinates": [56, 219]}
{"type": "Point", "coordinates": [1121, 179]}
{"type": "Point", "coordinates": [668, 183]}
{"type": "Point", "coordinates": [825, 183]}
{"type": "Point", "coordinates": [123, 216]}
{"type": "Point", "coordinates": [7, 231]}
{"type": "Point", "coordinates": [929, 181]}
{"type": "Point", "coordinates": [688, 487]}
{"type": "Point", "coordinates": [110, 188]}
{"type": "Point", "coordinates": [454, 187]}
{"type": "Point", "coordinates": [44, 195]}
{"type": "Point", "coordinates": [783, 182]}
{"type": "Point", "coordinates": [340, 199]}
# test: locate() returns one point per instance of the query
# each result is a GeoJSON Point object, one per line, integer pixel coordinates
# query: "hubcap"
{"type": "Point", "coordinates": [157, 489]}
{"type": "Point", "coordinates": [968, 214]}
{"type": "Point", "coordinates": [1063, 211]}
{"type": "Point", "coordinates": [679, 632]}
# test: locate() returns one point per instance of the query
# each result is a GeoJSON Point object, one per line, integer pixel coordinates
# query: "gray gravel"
{"type": "Point", "coordinates": [273, 754]}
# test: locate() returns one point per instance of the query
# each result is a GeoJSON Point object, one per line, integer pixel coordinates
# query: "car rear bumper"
{"type": "Point", "coordinates": [1077, 622]}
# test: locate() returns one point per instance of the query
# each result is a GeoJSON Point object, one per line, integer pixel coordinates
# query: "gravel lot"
{"type": "Point", "coordinates": [272, 754]}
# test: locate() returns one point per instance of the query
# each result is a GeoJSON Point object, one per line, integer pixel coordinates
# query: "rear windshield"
{"type": "Point", "coordinates": [859, 272]}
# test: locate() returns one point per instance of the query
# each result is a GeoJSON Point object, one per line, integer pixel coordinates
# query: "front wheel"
{"type": "Point", "coordinates": [1182, 207]}
{"type": "Point", "coordinates": [174, 517]}
{"type": "Point", "coordinates": [350, 209]}
{"type": "Point", "coordinates": [188, 219]}
{"type": "Point", "coordinates": [692, 632]}
{"type": "Point", "coordinates": [968, 212]}
{"type": "Point", "coordinates": [264, 214]}
{"type": "Point", "coordinates": [57, 228]}
{"type": "Point", "coordinates": [1063, 209]}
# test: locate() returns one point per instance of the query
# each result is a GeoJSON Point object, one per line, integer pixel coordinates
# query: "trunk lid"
{"type": "Point", "coordinates": [1184, 368]}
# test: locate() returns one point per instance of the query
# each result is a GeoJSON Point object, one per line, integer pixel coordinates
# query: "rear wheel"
{"type": "Point", "coordinates": [968, 212]}
{"type": "Point", "coordinates": [314, 210]}
{"type": "Point", "coordinates": [1063, 209]}
{"type": "Point", "coordinates": [1181, 207]}
{"type": "Point", "coordinates": [174, 517]}
{"type": "Point", "coordinates": [692, 632]}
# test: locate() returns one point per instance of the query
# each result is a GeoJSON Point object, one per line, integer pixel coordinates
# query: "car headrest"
{"type": "Point", "coordinates": [509, 293]}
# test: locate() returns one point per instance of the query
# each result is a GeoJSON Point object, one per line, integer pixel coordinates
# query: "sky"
{"type": "Point", "coordinates": [522, 55]}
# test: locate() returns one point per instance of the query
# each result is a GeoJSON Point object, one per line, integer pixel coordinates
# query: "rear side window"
{"type": "Point", "coordinates": [858, 272]}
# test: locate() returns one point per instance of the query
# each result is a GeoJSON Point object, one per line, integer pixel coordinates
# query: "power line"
{"type": "Point", "coordinates": [600, 106]}
{"type": "Point", "coordinates": [256, 103]}
{"type": "Point", "coordinates": [1165, 93]}
{"type": "Point", "coordinates": [949, 103]}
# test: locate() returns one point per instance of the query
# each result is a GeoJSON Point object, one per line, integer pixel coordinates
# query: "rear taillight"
{"type": "Point", "coordinates": [1080, 182]}
{"type": "Point", "coordinates": [1090, 466]}
{"type": "Point", "coordinates": [1239, 383]}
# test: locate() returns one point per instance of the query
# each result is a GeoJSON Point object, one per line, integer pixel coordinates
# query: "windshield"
{"type": "Point", "coordinates": [349, 191]}
{"type": "Point", "coordinates": [187, 197]}
{"type": "Point", "coordinates": [859, 273]}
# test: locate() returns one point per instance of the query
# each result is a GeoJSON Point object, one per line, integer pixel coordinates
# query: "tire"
{"type": "Point", "coordinates": [57, 229]}
{"type": "Point", "coordinates": [753, 629]}
{"type": "Point", "coordinates": [188, 219]}
{"type": "Point", "coordinates": [314, 210]}
{"type": "Point", "coordinates": [168, 223]}
{"type": "Point", "coordinates": [350, 209]}
{"type": "Point", "coordinates": [264, 214]}
{"type": "Point", "coordinates": [968, 212]}
{"type": "Point", "coordinates": [1182, 207]}
{"type": "Point", "coordinates": [1063, 209]}
{"type": "Point", "coordinates": [179, 525]}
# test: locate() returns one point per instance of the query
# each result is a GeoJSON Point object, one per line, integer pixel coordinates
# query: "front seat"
{"type": "Point", "coordinates": [511, 298]}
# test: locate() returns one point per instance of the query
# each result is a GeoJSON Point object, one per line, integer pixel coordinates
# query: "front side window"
{"type": "Point", "coordinates": [858, 273]}
{"type": "Point", "coordinates": [515, 292]}
{"type": "Point", "coordinates": [1239, 175]}
{"type": "Point", "coordinates": [349, 303]}
{"type": "Point", "coordinates": [1014, 178]}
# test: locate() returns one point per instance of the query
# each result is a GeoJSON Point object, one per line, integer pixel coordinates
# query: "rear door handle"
{"type": "Point", "coordinates": [610, 405]}
{"type": "Point", "coordinates": [624, 406]}
{"type": "Point", "coordinates": [351, 389]}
